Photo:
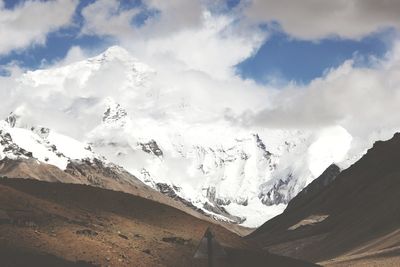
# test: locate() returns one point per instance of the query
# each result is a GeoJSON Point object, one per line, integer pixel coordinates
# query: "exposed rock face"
{"type": "Point", "coordinates": [11, 149]}
{"type": "Point", "coordinates": [12, 119]}
{"type": "Point", "coordinates": [261, 145]}
{"type": "Point", "coordinates": [114, 113]}
{"type": "Point", "coordinates": [43, 132]}
{"type": "Point", "coordinates": [211, 195]}
{"type": "Point", "coordinates": [173, 192]}
{"type": "Point", "coordinates": [277, 194]}
{"type": "Point", "coordinates": [152, 148]}
{"type": "Point", "coordinates": [220, 210]}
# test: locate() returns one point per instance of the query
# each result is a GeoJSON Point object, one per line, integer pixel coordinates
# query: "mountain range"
{"type": "Point", "coordinates": [138, 170]}
{"type": "Point", "coordinates": [111, 111]}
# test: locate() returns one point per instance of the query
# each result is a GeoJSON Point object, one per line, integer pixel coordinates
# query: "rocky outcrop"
{"type": "Point", "coordinates": [43, 132]}
{"type": "Point", "coordinates": [277, 194]}
{"type": "Point", "coordinates": [151, 147]}
{"type": "Point", "coordinates": [114, 113]}
{"type": "Point", "coordinates": [12, 119]}
{"type": "Point", "coordinates": [215, 209]}
{"type": "Point", "coordinates": [11, 149]}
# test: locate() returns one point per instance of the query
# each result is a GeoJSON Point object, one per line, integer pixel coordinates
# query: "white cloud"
{"type": "Point", "coordinates": [75, 53]}
{"type": "Point", "coordinates": [184, 33]}
{"type": "Point", "coordinates": [214, 48]}
{"type": "Point", "coordinates": [175, 15]}
{"type": "Point", "coordinates": [29, 23]}
{"type": "Point", "coordinates": [104, 18]}
{"type": "Point", "coordinates": [362, 100]}
{"type": "Point", "coordinates": [315, 19]}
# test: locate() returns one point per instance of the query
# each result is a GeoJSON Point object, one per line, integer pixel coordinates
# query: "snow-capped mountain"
{"type": "Point", "coordinates": [170, 141]}
{"type": "Point", "coordinates": [40, 143]}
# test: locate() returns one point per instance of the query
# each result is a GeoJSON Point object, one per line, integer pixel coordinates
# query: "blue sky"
{"type": "Point", "coordinates": [301, 61]}
{"type": "Point", "coordinates": [193, 45]}
{"type": "Point", "coordinates": [281, 58]}
{"type": "Point", "coordinates": [57, 43]}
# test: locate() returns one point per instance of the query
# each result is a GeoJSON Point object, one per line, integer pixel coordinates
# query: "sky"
{"type": "Point", "coordinates": [279, 57]}
{"type": "Point", "coordinates": [282, 58]}
{"type": "Point", "coordinates": [278, 64]}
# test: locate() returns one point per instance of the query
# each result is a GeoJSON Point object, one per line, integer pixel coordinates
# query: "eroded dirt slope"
{"type": "Point", "coordinates": [84, 225]}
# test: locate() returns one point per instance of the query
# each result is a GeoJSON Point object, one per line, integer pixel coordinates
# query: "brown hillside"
{"type": "Point", "coordinates": [56, 224]}
{"type": "Point", "coordinates": [353, 220]}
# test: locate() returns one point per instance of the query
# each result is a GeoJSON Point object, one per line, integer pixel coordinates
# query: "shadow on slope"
{"type": "Point", "coordinates": [82, 223]}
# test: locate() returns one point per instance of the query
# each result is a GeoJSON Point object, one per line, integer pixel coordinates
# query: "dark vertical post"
{"type": "Point", "coordinates": [210, 249]}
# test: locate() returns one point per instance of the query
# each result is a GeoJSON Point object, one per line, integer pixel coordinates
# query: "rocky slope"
{"type": "Point", "coordinates": [351, 220]}
{"type": "Point", "coordinates": [57, 224]}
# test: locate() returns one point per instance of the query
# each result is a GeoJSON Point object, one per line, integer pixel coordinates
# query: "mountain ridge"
{"type": "Point", "coordinates": [353, 219]}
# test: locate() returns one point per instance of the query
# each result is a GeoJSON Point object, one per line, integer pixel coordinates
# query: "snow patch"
{"type": "Point", "coordinates": [255, 212]}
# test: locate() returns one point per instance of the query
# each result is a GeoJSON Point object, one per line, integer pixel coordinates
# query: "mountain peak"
{"type": "Point", "coordinates": [115, 52]}
{"type": "Point", "coordinates": [120, 54]}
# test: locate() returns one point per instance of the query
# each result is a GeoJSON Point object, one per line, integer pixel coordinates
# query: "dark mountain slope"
{"type": "Point", "coordinates": [57, 224]}
{"type": "Point", "coordinates": [314, 188]}
{"type": "Point", "coordinates": [108, 176]}
{"type": "Point", "coordinates": [356, 216]}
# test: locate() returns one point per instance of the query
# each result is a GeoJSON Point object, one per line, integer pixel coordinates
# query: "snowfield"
{"type": "Point", "coordinates": [45, 145]}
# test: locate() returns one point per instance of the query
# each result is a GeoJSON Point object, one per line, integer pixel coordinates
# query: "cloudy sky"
{"type": "Point", "coordinates": [320, 62]}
